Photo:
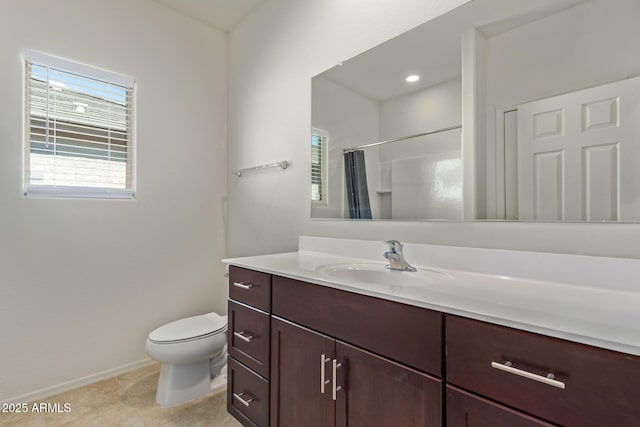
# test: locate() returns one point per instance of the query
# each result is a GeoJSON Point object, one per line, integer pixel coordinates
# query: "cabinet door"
{"type": "Point", "coordinates": [378, 392]}
{"type": "Point", "coordinates": [466, 410]}
{"type": "Point", "coordinates": [296, 370]}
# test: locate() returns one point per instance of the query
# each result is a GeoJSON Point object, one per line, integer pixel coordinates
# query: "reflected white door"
{"type": "Point", "coordinates": [576, 155]}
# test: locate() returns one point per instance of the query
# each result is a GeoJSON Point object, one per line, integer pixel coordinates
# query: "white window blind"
{"type": "Point", "coordinates": [318, 166]}
{"type": "Point", "coordinates": [79, 130]}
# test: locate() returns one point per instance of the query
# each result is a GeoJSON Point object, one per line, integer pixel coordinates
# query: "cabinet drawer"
{"type": "Point", "coordinates": [600, 386]}
{"type": "Point", "coordinates": [247, 395]}
{"type": "Point", "coordinates": [404, 333]}
{"type": "Point", "coordinates": [250, 287]}
{"type": "Point", "coordinates": [249, 337]}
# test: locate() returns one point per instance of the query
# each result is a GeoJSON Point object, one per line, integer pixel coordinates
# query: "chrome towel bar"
{"type": "Point", "coordinates": [283, 164]}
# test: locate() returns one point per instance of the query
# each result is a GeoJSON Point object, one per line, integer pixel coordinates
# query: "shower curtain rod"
{"type": "Point", "coordinates": [431, 132]}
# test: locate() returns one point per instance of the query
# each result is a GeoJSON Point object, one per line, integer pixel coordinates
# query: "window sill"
{"type": "Point", "coordinates": [78, 192]}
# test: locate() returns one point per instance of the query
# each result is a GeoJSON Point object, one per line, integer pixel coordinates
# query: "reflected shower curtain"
{"type": "Point", "coordinates": [356, 180]}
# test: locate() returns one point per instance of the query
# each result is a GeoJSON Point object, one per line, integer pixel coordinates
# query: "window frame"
{"type": "Point", "coordinates": [40, 59]}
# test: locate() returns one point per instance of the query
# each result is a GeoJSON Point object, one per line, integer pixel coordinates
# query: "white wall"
{"type": "Point", "coordinates": [82, 282]}
{"type": "Point", "coordinates": [432, 108]}
{"type": "Point", "coordinates": [273, 55]}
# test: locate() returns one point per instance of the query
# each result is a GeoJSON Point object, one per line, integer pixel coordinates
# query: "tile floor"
{"type": "Point", "coordinates": [126, 401]}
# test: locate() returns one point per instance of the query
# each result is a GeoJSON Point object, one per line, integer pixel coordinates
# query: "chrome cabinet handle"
{"type": "Point", "coordinates": [243, 285]}
{"type": "Point", "coordinates": [245, 402]}
{"type": "Point", "coordinates": [336, 387]}
{"type": "Point", "coordinates": [323, 381]}
{"type": "Point", "coordinates": [243, 336]}
{"type": "Point", "coordinates": [549, 379]}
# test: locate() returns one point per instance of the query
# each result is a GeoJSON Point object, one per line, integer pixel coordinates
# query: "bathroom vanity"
{"type": "Point", "coordinates": [312, 347]}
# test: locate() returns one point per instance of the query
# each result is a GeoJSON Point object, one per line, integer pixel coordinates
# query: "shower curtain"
{"type": "Point", "coordinates": [356, 180]}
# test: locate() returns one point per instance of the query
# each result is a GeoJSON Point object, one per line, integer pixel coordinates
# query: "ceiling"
{"type": "Point", "coordinates": [220, 14]}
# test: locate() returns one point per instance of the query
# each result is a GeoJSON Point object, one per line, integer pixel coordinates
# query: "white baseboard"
{"type": "Point", "coordinates": [61, 388]}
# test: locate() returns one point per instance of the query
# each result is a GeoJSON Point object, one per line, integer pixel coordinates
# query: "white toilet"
{"type": "Point", "coordinates": [193, 354]}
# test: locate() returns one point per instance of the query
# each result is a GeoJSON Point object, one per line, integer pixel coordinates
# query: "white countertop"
{"type": "Point", "coordinates": [590, 300]}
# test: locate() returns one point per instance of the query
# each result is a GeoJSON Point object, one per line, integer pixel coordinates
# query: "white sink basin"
{"type": "Point", "coordinates": [377, 274]}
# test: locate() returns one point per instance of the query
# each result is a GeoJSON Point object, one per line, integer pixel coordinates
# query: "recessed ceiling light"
{"type": "Point", "coordinates": [412, 78]}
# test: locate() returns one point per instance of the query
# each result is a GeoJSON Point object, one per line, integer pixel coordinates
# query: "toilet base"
{"type": "Point", "coordinates": [219, 383]}
{"type": "Point", "coordinates": [181, 383]}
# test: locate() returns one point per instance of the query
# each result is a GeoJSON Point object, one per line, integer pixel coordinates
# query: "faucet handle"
{"type": "Point", "coordinates": [394, 246]}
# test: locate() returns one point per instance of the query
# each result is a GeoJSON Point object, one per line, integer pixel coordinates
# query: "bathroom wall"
{"type": "Point", "coordinates": [272, 56]}
{"type": "Point", "coordinates": [83, 281]}
{"type": "Point", "coordinates": [432, 108]}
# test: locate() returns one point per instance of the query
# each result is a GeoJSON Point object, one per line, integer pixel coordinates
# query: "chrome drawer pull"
{"type": "Point", "coordinates": [242, 336]}
{"type": "Point", "coordinates": [243, 285]}
{"type": "Point", "coordinates": [336, 387]}
{"type": "Point", "coordinates": [245, 402]}
{"type": "Point", "coordinates": [549, 379]}
{"type": "Point", "coordinates": [323, 360]}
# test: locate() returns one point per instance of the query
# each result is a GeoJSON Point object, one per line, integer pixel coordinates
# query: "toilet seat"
{"type": "Point", "coordinates": [189, 329]}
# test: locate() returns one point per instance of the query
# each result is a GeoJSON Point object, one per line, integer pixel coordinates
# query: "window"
{"type": "Point", "coordinates": [319, 141]}
{"type": "Point", "coordinates": [79, 130]}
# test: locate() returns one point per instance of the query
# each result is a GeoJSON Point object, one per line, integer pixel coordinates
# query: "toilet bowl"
{"type": "Point", "coordinates": [193, 354]}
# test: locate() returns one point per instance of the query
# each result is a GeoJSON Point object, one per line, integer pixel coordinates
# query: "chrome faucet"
{"type": "Point", "coordinates": [395, 257]}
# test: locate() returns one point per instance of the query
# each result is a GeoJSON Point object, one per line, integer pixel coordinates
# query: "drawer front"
{"type": "Point", "coordinates": [247, 395]}
{"type": "Point", "coordinates": [464, 409]}
{"type": "Point", "coordinates": [406, 334]}
{"type": "Point", "coordinates": [510, 366]}
{"type": "Point", "coordinates": [250, 287]}
{"type": "Point", "coordinates": [249, 338]}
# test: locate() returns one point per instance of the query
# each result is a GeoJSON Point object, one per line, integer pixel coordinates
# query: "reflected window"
{"type": "Point", "coordinates": [319, 141]}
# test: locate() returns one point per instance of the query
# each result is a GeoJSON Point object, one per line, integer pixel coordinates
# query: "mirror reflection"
{"type": "Point", "coordinates": [527, 109]}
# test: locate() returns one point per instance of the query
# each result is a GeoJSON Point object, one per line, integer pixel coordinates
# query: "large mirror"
{"type": "Point", "coordinates": [500, 110]}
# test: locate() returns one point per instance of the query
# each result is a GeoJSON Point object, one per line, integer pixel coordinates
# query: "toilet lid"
{"type": "Point", "coordinates": [190, 328]}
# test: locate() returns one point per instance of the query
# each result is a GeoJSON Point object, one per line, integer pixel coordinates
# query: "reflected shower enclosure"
{"type": "Point", "coordinates": [410, 144]}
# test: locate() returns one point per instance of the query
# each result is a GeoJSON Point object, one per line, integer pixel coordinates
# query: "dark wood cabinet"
{"type": "Point", "coordinates": [296, 366]}
{"type": "Point", "coordinates": [370, 390]}
{"type": "Point", "coordinates": [399, 365]}
{"type": "Point", "coordinates": [249, 337]}
{"type": "Point", "coordinates": [248, 344]}
{"type": "Point", "coordinates": [247, 395]}
{"type": "Point", "coordinates": [407, 334]}
{"type": "Point", "coordinates": [250, 287]}
{"type": "Point", "coordinates": [467, 410]}
{"type": "Point", "coordinates": [376, 392]}
{"type": "Point", "coordinates": [563, 382]}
